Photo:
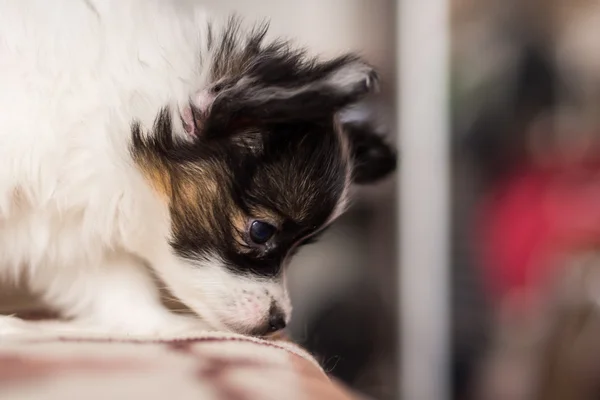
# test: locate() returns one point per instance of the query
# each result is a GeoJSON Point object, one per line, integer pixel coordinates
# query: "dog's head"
{"type": "Point", "coordinates": [261, 166]}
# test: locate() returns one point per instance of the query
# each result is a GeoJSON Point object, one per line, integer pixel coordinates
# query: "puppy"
{"type": "Point", "coordinates": [141, 134]}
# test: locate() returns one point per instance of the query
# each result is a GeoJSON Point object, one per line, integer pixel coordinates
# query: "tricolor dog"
{"type": "Point", "coordinates": [142, 137]}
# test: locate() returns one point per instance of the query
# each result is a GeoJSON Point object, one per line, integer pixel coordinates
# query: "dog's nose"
{"type": "Point", "coordinates": [276, 320]}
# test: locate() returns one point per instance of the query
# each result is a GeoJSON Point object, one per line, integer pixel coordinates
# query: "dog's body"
{"type": "Point", "coordinates": [118, 151]}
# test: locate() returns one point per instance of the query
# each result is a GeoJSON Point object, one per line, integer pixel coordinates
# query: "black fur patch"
{"type": "Point", "coordinates": [299, 175]}
{"type": "Point", "coordinates": [373, 158]}
{"type": "Point", "coordinates": [274, 81]}
{"type": "Point", "coordinates": [269, 148]}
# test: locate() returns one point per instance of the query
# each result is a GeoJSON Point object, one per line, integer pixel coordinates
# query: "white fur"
{"type": "Point", "coordinates": [78, 222]}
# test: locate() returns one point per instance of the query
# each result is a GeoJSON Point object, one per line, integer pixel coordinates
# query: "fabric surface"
{"type": "Point", "coordinates": [210, 366]}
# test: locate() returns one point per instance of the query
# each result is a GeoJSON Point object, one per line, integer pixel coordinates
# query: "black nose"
{"type": "Point", "coordinates": [276, 320]}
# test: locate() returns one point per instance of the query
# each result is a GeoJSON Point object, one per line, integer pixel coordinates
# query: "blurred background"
{"type": "Point", "coordinates": [525, 80]}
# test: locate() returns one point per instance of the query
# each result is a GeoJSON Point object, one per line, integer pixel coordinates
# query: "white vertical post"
{"type": "Point", "coordinates": [423, 122]}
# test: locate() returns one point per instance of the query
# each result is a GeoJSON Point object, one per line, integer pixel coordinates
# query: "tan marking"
{"type": "Point", "coordinates": [240, 223]}
{"type": "Point", "coordinates": [194, 199]}
{"type": "Point", "coordinates": [156, 174]}
{"type": "Point", "coordinates": [192, 192]}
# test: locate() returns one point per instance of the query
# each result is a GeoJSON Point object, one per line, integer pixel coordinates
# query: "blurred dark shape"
{"type": "Point", "coordinates": [351, 330]}
{"type": "Point", "coordinates": [496, 144]}
{"type": "Point", "coordinates": [375, 159]}
{"type": "Point", "coordinates": [343, 335]}
{"type": "Point", "coordinates": [497, 140]}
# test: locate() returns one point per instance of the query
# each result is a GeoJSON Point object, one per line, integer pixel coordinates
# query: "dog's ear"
{"type": "Point", "coordinates": [373, 158]}
{"type": "Point", "coordinates": [312, 89]}
{"type": "Point", "coordinates": [283, 87]}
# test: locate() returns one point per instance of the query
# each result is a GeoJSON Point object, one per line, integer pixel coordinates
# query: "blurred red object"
{"type": "Point", "coordinates": [534, 216]}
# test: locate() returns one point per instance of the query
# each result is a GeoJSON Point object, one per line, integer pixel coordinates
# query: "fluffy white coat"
{"type": "Point", "coordinates": [78, 222]}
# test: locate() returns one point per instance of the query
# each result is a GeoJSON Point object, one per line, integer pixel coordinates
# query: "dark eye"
{"type": "Point", "coordinates": [261, 232]}
{"type": "Point", "coordinates": [217, 88]}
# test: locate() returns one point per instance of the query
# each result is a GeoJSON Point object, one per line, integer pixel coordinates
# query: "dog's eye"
{"type": "Point", "coordinates": [261, 232]}
{"type": "Point", "coordinates": [217, 87]}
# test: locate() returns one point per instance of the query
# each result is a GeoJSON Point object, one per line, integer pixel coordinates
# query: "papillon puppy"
{"type": "Point", "coordinates": [141, 139]}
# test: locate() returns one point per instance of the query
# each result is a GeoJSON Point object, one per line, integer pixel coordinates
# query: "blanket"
{"type": "Point", "coordinates": [208, 366]}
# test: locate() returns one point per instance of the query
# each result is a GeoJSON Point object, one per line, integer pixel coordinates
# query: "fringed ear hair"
{"type": "Point", "coordinates": [255, 81]}
{"type": "Point", "coordinates": [372, 157]}
{"type": "Point", "coordinates": [309, 92]}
